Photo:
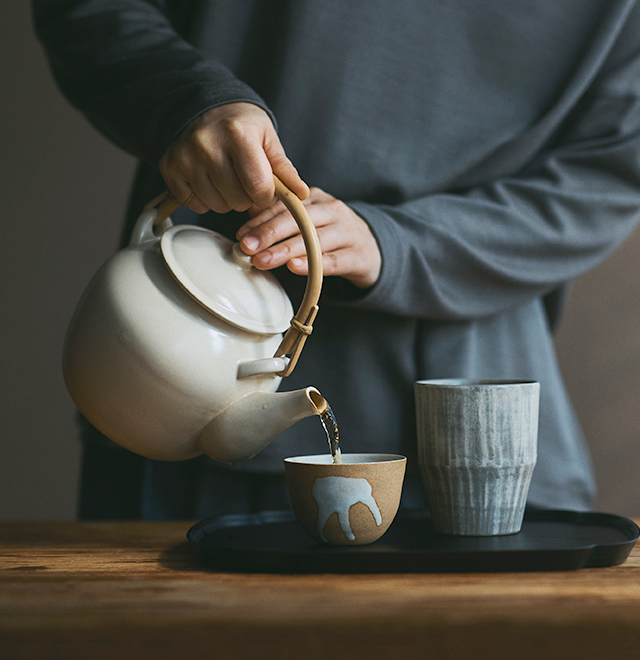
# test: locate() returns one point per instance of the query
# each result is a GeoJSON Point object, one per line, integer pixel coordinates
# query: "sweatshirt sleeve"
{"type": "Point", "coordinates": [125, 66]}
{"type": "Point", "coordinates": [466, 254]}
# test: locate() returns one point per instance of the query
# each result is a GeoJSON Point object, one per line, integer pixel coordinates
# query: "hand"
{"type": "Point", "coordinates": [228, 157]}
{"type": "Point", "coordinates": [349, 249]}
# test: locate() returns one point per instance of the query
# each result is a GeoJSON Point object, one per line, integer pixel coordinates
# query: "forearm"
{"type": "Point", "coordinates": [125, 66]}
{"type": "Point", "coordinates": [495, 247]}
{"type": "Point", "coordinates": [474, 253]}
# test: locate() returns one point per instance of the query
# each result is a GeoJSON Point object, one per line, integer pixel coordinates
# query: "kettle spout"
{"type": "Point", "coordinates": [249, 424]}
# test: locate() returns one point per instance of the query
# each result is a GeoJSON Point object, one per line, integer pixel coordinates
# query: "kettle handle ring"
{"type": "Point", "coordinates": [302, 322]}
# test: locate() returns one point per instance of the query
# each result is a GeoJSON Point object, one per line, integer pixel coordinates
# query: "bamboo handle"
{"type": "Point", "coordinates": [302, 323]}
{"type": "Point", "coordinates": [166, 204]}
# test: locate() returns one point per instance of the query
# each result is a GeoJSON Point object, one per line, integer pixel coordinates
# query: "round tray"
{"type": "Point", "coordinates": [273, 542]}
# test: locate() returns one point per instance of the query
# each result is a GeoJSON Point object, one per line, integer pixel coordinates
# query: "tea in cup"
{"type": "Point", "coordinates": [349, 503]}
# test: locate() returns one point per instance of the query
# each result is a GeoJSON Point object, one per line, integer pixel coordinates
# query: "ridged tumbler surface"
{"type": "Point", "coordinates": [477, 448]}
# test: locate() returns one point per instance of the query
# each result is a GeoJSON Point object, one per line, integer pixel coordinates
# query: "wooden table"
{"type": "Point", "coordinates": [124, 590]}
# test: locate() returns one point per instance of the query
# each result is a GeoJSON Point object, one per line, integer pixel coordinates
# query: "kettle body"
{"type": "Point", "coordinates": [151, 361]}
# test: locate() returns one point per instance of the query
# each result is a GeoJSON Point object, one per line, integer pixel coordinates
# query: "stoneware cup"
{"type": "Point", "coordinates": [477, 447]}
{"type": "Point", "coordinates": [352, 503]}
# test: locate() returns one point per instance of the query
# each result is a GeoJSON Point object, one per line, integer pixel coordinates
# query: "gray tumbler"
{"type": "Point", "coordinates": [477, 442]}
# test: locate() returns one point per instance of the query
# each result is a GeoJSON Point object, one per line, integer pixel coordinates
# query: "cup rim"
{"type": "Point", "coordinates": [476, 382]}
{"type": "Point", "coordinates": [347, 459]}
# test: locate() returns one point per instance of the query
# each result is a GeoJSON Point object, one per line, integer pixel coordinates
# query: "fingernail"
{"type": "Point", "coordinates": [251, 242]}
{"type": "Point", "coordinates": [264, 258]}
{"type": "Point", "coordinates": [296, 263]}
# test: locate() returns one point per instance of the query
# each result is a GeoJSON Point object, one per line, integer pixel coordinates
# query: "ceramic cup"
{"type": "Point", "coordinates": [352, 503]}
{"type": "Point", "coordinates": [477, 447]}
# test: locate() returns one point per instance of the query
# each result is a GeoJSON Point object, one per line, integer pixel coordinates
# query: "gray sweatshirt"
{"type": "Point", "coordinates": [493, 148]}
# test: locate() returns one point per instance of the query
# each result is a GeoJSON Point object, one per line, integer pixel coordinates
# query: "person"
{"type": "Point", "coordinates": [466, 161]}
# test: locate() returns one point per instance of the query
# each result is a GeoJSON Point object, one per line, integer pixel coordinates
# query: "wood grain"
{"type": "Point", "coordinates": [135, 590]}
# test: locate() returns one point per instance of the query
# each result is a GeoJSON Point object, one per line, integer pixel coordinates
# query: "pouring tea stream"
{"type": "Point", "coordinates": [176, 349]}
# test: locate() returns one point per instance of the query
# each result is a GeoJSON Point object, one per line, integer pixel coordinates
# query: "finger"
{"type": "Point", "coordinates": [226, 183]}
{"type": "Point", "coordinates": [253, 171]}
{"type": "Point", "coordinates": [300, 266]}
{"type": "Point", "coordinates": [208, 193]}
{"type": "Point", "coordinates": [270, 233]}
{"type": "Point", "coordinates": [336, 263]}
{"type": "Point", "coordinates": [175, 172]}
{"type": "Point", "coordinates": [343, 256]}
{"type": "Point", "coordinates": [317, 196]}
{"type": "Point", "coordinates": [213, 180]}
{"type": "Point", "coordinates": [320, 206]}
{"type": "Point", "coordinates": [193, 202]}
{"type": "Point", "coordinates": [183, 192]}
{"type": "Point", "coordinates": [262, 215]}
{"type": "Point", "coordinates": [280, 254]}
{"type": "Point", "coordinates": [177, 185]}
{"type": "Point", "coordinates": [254, 210]}
{"type": "Point", "coordinates": [293, 248]}
{"type": "Point", "coordinates": [182, 182]}
{"type": "Point", "coordinates": [283, 168]}
{"type": "Point", "coordinates": [260, 218]}
{"type": "Point", "coordinates": [244, 145]}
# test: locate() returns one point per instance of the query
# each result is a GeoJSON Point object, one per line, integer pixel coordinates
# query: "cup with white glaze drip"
{"type": "Point", "coordinates": [477, 448]}
{"type": "Point", "coordinates": [349, 503]}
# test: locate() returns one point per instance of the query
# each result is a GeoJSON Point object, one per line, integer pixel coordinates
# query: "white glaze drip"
{"type": "Point", "coordinates": [338, 495]}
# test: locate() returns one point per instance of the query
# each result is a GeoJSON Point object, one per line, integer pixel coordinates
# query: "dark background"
{"type": "Point", "coordinates": [63, 190]}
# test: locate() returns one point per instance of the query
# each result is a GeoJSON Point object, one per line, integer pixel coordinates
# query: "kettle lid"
{"type": "Point", "coordinates": [205, 265]}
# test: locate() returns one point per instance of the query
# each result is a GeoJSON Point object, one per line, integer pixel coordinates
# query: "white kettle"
{"type": "Point", "coordinates": [176, 349]}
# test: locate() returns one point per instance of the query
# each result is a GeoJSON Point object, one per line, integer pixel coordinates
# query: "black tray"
{"type": "Point", "coordinates": [273, 542]}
